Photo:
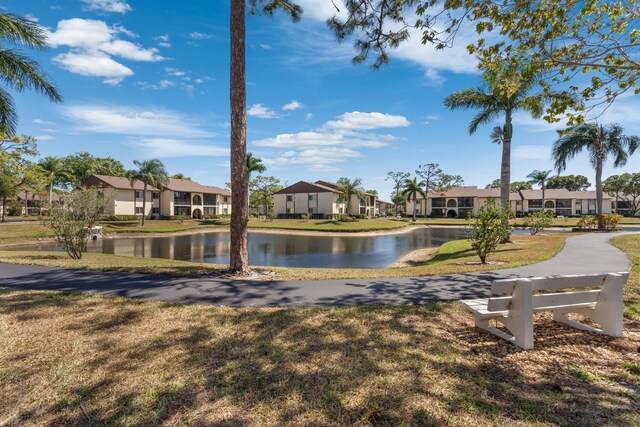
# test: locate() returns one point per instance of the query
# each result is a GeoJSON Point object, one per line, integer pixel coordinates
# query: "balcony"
{"type": "Point", "coordinates": [183, 202]}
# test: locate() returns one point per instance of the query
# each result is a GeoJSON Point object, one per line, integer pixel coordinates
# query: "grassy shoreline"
{"type": "Point", "coordinates": [73, 359]}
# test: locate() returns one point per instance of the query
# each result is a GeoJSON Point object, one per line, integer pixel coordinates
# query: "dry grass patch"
{"type": "Point", "coordinates": [452, 257]}
{"type": "Point", "coordinates": [70, 359]}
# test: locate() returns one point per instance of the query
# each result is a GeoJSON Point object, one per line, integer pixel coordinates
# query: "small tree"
{"type": "Point", "coordinates": [398, 179]}
{"type": "Point", "coordinates": [262, 189]}
{"type": "Point", "coordinates": [72, 221]}
{"type": "Point", "coordinates": [538, 221]}
{"type": "Point", "coordinates": [488, 228]}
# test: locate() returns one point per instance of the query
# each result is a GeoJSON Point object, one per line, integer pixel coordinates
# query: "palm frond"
{"type": "Point", "coordinates": [22, 31]}
{"type": "Point", "coordinates": [8, 114]}
{"type": "Point", "coordinates": [20, 72]}
{"type": "Point", "coordinates": [483, 117]}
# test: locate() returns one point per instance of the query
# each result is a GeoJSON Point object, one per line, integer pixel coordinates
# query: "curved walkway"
{"type": "Point", "coordinates": [588, 253]}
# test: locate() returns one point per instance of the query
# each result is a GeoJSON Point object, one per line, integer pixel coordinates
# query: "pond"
{"type": "Point", "coordinates": [283, 250]}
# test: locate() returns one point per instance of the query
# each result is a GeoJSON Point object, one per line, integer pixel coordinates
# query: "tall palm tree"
{"type": "Point", "coordinates": [150, 172]}
{"type": "Point", "coordinates": [18, 71]}
{"type": "Point", "coordinates": [239, 247]}
{"type": "Point", "coordinates": [413, 187]}
{"type": "Point", "coordinates": [505, 92]}
{"type": "Point", "coordinates": [348, 189]}
{"type": "Point", "coordinates": [600, 142]}
{"type": "Point", "coordinates": [56, 172]}
{"type": "Point", "coordinates": [539, 178]}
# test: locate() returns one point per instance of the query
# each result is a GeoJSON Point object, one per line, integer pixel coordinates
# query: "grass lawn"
{"type": "Point", "coordinates": [380, 224]}
{"type": "Point", "coordinates": [450, 258]}
{"type": "Point", "coordinates": [517, 222]}
{"type": "Point", "coordinates": [71, 359]}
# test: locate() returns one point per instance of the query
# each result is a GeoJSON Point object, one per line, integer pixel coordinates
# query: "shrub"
{"type": "Point", "coordinates": [114, 218]}
{"type": "Point", "coordinates": [177, 217]}
{"type": "Point", "coordinates": [610, 221]}
{"type": "Point", "coordinates": [304, 216]}
{"type": "Point", "coordinates": [346, 218]}
{"type": "Point", "coordinates": [488, 228]}
{"type": "Point", "coordinates": [588, 222]}
{"type": "Point", "coordinates": [538, 221]}
{"type": "Point", "coordinates": [72, 222]}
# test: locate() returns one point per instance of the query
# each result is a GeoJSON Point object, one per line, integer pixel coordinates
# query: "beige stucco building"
{"type": "Point", "coordinates": [319, 199]}
{"type": "Point", "coordinates": [458, 202]}
{"type": "Point", "coordinates": [179, 197]}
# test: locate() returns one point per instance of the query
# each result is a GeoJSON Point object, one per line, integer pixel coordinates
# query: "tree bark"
{"type": "Point", "coordinates": [50, 193]}
{"type": "Point", "coordinates": [505, 168]}
{"type": "Point", "coordinates": [599, 162]}
{"type": "Point", "coordinates": [543, 196]}
{"type": "Point", "coordinates": [239, 252]}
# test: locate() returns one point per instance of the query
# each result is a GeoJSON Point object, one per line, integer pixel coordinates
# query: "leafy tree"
{"type": "Point", "coordinates": [506, 91]}
{"type": "Point", "coordinates": [600, 142]}
{"type": "Point", "coordinates": [239, 252]}
{"type": "Point", "coordinates": [180, 176]}
{"type": "Point", "coordinates": [150, 172]}
{"type": "Point", "coordinates": [569, 182]}
{"type": "Point", "coordinates": [18, 71]}
{"type": "Point", "coordinates": [262, 189]}
{"type": "Point", "coordinates": [488, 228]}
{"type": "Point", "coordinates": [374, 192]}
{"type": "Point", "coordinates": [399, 200]}
{"type": "Point", "coordinates": [398, 179]}
{"type": "Point", "coordinates": [347, 189]}
{"type": "Point", "coordinates": [538, 221]}
{"type": "Point", "coordinates": [431, 176]}
{"type": "Point", "coordinates": [413, 187]}
{"type": "Point", "coordinates": [494, 184]}
{"type": "Point", "coordinates": [54, 168]}
{"type": "Point", "coordinates": [449, 181]}
{"type": "Point", "coordinates": [35, 181]}
{"type": "Point", "coordinates": [72, 221]}
{"type": "Point", "coordinates": [81, 165]}
{"type": "Point", "coordinates": [254, 164]}
{"type": "Point", "coordinates": [517, 186]}
{"type": "Point", "coordinates": [625, 187]}
{"type": "Point", "coordinates": [15, 165]}
{"type": "Point", "coordinates": [539, 178]}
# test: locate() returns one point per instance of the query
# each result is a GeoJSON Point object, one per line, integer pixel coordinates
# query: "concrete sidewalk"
{"type": "Point", "coordinates": [588, 253]}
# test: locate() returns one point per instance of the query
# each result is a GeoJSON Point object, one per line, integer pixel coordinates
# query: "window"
{"type": "Point", "coordinates": [311, 210]}
{"type": "Point", "coordinates": [563, 203]}
{"type": "Point", "coordinates": [465, 202]}
{"type": "Point", "coordinates": [535, 204]}
{"type": "Point", "coordinates": [289, 198]}
{"type": "Point", "coordinates": [210, 199]}
{"type": "Point", "coordinates": [139, 211]}
{"type": "Point", "coordinates": [438, 202]}
{"type": "Point", "coordinates": [155, 211]}
{"type": "Point", "coordinates": [208, 210]}
{"type": "Point", "coordinates": [225, 210]}
{"type": "Point", "coordinates": [138, 194]}
{"type": "Point", "coordinates": [226, 199]}
{"type": "Point", "coordinates": [290, 210]}
{"type": "Point", "coordinates": [182, 210]}
{"type": "Point", "coordinates": [155, 195]}
{"type": "Point", "coordinates": [312, 197]}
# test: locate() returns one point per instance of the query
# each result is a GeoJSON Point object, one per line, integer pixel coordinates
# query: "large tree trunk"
{"type": "Point", "coordinates": [599, 162]}
{"type": "Point", "coordinates": [144, 202]}
{"type": "Point", "coordinates": [542, 196]}
{"type": "Point", "coordinates": [505, 168]}
{"type": "Point", "coordinates": [239, 252]}
{"type": "Point", "coordinates": [50, 194]}
{"type": "Point", "coordinates": [414, 208]}
{"type": "Point", "coordinates": [397, 194]}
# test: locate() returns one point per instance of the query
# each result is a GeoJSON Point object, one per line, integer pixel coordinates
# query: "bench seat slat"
{"type": "Point", "coordinates": [550, 283]}
{"type": "Point", "coordinates": [542, 301]}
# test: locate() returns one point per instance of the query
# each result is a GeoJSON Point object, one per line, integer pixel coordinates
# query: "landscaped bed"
{"type": "Point", "coordinates": [452, 257]}
{"type": "Point", "coordinates": [71, 359]}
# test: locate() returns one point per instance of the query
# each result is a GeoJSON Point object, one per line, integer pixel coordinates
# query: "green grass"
{"type": "Point", "coordinates": [517, 222]}
{"type": "Point", "coordinates": [583, 374]}
{"type": "Point", "coordinates": [630, 244]}
{"type": "Point", "coordinates": [329, 225]}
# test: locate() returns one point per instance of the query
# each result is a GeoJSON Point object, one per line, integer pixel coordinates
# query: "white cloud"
{"type": "Point", "coordinates": [200, 36]}
{"type": "Point", "coordinates": [432, 117]}
{"type": "Point", "coordinates": [94, 64]}
{"type": "Point", "coordinates": [308, 116]}
{"type": "Point", "coordinates": [93, 45]}
{"type": "Point", "coordinates": [174, 72]}
{"type": "Point", "coordinates": [532, 152]}
{"type": "Point", "coordinates": [31, 17]}
{"type": "Point", "coordinates": [265, 46]}
{"type": "Point", "coordinates": [262, 112]}
{"type": "Point", "coordinates": [357, 120]}
{"type": "Point", "coordinates": [321, 10]}
{"type": "Point", "coordinates": [334, 142]}
{"type": "Point", "coordinates": [134, 121]}
{"type": "Point", "coordinates": [115, 6]}
{"type": "Point", "coordinates": [43, 122]}
{"type": "Point", "coordinates": [163, 40]}
{"type": "Point", "coordinates": [44, 137]}
{"type": "Point", "coordinates": [293, 105]}
{"type": "Point", "coordinates": [168, 147]}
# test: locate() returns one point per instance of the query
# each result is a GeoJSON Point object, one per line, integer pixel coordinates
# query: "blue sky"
{"type": "Point", "coordinates": [146, 79]}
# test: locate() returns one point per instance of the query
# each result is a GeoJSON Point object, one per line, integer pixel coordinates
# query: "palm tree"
{"type": "Point", "coordinates": [56, 173]}
{"type": "Point", "coordinates": [348, 189]}
{"type": "Point", "coordinates": [506, 91]}
{"type": "Point", "coordinates": [150, 172]}
{"type": "Point", "coordinates": [600, 142]}
{"type": "Point", "coordinates": [539, 178]}
{"type": "Point", "coordinates": [254, 164]}
{"type": "Point", "coordinates": [18, 71]}
{"type": "Point", "coordinates": [239, 247]}
{"type": "Point", "coordinates": [413, 187]}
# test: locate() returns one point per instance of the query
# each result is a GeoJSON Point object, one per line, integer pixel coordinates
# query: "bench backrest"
{"type": "Point", "coordinates": [505, 289]}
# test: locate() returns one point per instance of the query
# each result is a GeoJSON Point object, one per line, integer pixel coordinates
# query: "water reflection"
{"type": "Point", "coordinates": [280, 249]}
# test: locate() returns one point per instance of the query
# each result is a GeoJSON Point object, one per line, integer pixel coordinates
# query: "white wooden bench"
{"type": "Point", "coordinates": [514, 301]}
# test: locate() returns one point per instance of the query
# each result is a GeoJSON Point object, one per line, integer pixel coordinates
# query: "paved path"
{"type": "Point", "coordinates": [588, 253]}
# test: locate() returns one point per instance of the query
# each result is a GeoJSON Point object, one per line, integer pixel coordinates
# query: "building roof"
{"type": "Point", "coordinates": [384, 201]}
{"type": "Point", "coordinates": [118, 182]}
{"type": "Point", "coordinates": [55, 197]}
{"type": "Point", "coordinates": [471, 191]}
{"type": "Point", "coordinates": [173, 184]}
{"type": "Point", "coordinates": [306, 187]}
{"type": "Point", "coordinates": [336, 187]}
{"type": "Point", "coordinates": [560, 193]}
